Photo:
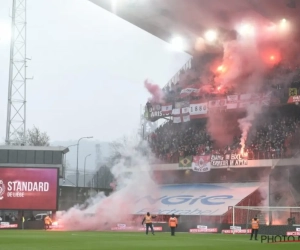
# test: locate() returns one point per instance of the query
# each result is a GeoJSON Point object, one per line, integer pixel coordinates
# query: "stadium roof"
{"type": "Point", "coordinates": [190, 19]}
{"type": "Point", "coordinates": [35, 148]}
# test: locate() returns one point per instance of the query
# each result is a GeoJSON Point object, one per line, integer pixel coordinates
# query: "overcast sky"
{"type": "Point", "coordinates": [88, 66]}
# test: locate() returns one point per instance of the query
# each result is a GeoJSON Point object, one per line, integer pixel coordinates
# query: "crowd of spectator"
{"type": "Point", "coordinates": [269, 138]}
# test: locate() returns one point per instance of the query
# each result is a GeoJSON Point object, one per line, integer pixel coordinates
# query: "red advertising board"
{"type": "Point", "coordinates": [293, 233]}
{"type": "Point", "coordinates": [8, 225]}
{"type": "Point", "coordinates": [207, 230]}
{"type": "Point", "coordinates": [241, 231]}
{"type": "Point", "coordinates": [135, 229]}
{"type": "Point", "coordinates": [28, 188]}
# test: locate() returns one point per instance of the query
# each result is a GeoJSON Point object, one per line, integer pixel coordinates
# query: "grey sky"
{"type": "Point", "coordinates": [88, 66]}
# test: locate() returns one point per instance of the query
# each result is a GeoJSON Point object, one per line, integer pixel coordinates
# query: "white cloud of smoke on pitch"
{"type": "Point", "coordinates": [133, 181]}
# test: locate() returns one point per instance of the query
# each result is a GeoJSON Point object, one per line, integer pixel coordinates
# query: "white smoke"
{"type": "Point", "coordinates": [246, 123]}
{"type": "Point", "coordinates": [132, 173]}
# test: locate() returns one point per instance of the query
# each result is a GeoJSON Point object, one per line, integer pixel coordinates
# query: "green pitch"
{"type": "Point", "coordinates": [51, 240]}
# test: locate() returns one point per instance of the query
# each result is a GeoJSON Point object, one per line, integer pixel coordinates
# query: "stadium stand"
{"type": "Point", "coordinates": [273, 134]}
{"type": "Point", "coordinates": [268, 140]}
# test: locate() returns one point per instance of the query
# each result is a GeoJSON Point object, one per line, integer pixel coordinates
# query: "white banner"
{"type": "Point", "coordinates": [188, 91]}
{"type": "Point", "coordinates": [182, 104]}
{"type": "Point", "coordinates": [166, 108]}
{"type": "Point", "coordinates": [186, 118]}
{"type": "Point", "coordinates": [201, 163]}
{"type": "Point", "coordinates": [155, 107]}
{"type": "Point", "coordinates": [232, 98]}
{"type": "Point", "coordinates": [232, 101]}
{"type": "Point", "coordinates": [176, 119]}
{"type": "Point", "coordinates": [185, 110]}
{"type": "Point", "coordinates": [176, 111]}
{"type": "Point", "coordinates": [198, 109]}
{"type": "Point", "coordinates": [217, 103]}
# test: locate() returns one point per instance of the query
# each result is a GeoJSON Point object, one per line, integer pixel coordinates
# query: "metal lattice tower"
{"type": "Point", "coordinates": [16, 106]}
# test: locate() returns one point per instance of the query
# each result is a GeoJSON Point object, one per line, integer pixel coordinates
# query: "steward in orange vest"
{"type": "Point", "coordinates": [148, 219]}
{"type": "Point", "coordinates": [173, 222]}
{"type": "Point", "coordinates": [255, 227]}
{"type": "Point", "coordinates": [47, 222]}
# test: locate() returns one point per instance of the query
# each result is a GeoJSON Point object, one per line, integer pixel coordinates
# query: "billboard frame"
{"type": "Point", "coordinates": [57, 190]}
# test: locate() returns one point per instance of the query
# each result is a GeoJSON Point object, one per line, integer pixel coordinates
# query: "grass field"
{"type": "Point", "coordinates": [54, 240]}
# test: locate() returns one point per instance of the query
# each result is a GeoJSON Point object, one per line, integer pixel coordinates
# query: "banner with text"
{"type": "Point", "coordinates": [217, 104]}
{"type": "Point", "coordinates": [198, 110]}
{"type": "Point", "coordinates": [223, 160]}
{"type": "Point", "coordinates": [188, 91]}
{"type": "Point", "coordinates": [244, 100]}
{"type": "Point", "coordinates": [166, 108]}
{"type": "Point", "coordinates": [294, 99]}
{"type": "Point", "coordinates": [201, 163]}
{"type": "Point", "coordinates": [182, 104]}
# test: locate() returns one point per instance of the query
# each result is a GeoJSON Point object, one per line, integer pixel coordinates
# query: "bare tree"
{"type": "Point", "coordinates": [34, 137]}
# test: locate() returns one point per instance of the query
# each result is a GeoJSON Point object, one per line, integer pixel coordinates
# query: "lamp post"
{"type": "Point", "coordinates": [84, 169]}
{"type": "Point", "coordinates": [77, 172]}
{"type": "Point", "coordinates": [64, 169]}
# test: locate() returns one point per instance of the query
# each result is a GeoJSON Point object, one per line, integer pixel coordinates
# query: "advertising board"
{"type": "Point", "coordinates": [28, 188]}
{"type": "Point", "coordinates": [193, 199]}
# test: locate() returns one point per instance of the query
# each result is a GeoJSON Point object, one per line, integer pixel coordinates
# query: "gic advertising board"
{"type": "Point", "coordinates": [193, 199]}
{"type": "Point", "coordinates": [28, 188]}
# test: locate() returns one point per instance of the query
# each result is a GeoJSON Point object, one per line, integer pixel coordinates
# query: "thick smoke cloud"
{"type": "Point", "coordinates": [247, 64]}
{"type": "Point", "coordinates": [133, 179]}
{"type": "Point", "coordinates": [157, 95]}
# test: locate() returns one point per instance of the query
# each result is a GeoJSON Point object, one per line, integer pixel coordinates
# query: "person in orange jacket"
{"type": "Point", "coordinates": [255, 227]}
{"type": "Point", "coordinates": [148, 219]}
{"type": "Point", "coordinates": [173, 222]}
{"type": "Point", "coordinates": [47, 222]}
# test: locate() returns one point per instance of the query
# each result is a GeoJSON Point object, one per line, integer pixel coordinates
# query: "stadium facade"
{"type": "Point", "coordinates": [214, 180]}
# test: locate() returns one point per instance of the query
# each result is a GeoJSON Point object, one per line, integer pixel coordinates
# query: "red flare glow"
{"type": "Point", "coordinates": [271, 57]}
{"type": "Point", "coordinates": [221, 69]}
